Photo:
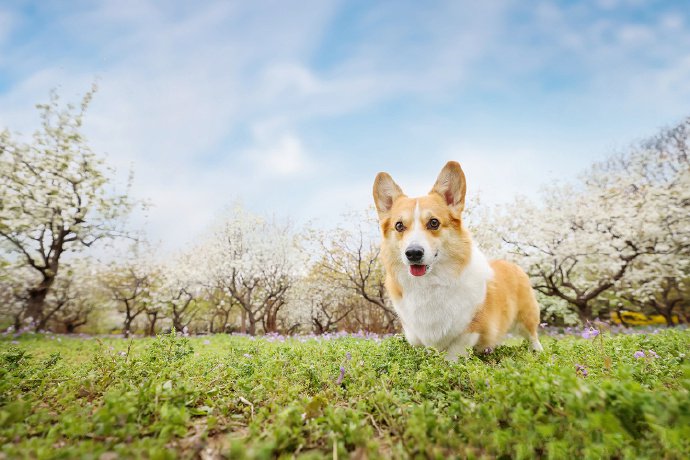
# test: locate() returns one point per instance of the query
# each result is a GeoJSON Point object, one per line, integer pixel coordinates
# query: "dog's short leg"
{"type": "Point", "coordinates": [536, 344]}
{"type": "Point", "coordinates": [528, 325]}
{"type": "Point", "coordinates": [529, 332]}
{"type": "Point", "coordinates": [459, 346]}
{"type": "Point", "coordinates": [411, 338]}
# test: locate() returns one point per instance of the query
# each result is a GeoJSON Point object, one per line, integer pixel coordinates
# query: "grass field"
{"type": "Point", "coordinates": [238, 397]}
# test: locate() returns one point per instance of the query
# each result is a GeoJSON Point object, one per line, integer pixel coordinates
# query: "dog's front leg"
{"type": "Point", "coordinates": [412, 339]}
{"type": "Point", "coordinates": [459, 346]}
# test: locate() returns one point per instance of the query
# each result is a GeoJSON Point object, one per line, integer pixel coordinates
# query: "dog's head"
{"type": "Point", "coordinates": [419, 233]}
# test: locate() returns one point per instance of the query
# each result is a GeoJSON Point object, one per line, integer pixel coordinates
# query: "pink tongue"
{"type": "Point", "coordinates": [418, 270]}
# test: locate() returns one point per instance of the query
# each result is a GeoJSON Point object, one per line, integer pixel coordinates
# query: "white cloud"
{"type": "Point", "coordinates": [282, 155]}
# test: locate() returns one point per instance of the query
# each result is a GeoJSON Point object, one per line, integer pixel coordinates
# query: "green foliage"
{"type": "Point", "coordinates": [173, 396]}
{"type": "Point", "coordinates": [169, 348]}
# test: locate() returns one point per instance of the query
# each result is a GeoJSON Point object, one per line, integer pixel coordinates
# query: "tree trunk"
{"type": "Point", "coordinates": [271, 322]}
{"type": "Point", "coordinates": [226, 319]}
{"type": "Point", "coordinates": [36, 303]}
{"type": "Point", "coordinates": [126, 326]}
{"type": "Point", "coordinates": [684, 318]}
{"type": "Point", "coordinates": [243, 328]}
{"type": "Point", "coordinates": [177, 323]}
{"type": "Point", "coordinates": [668, 316]}
{"type": "Point", "coordinates": [620, 318]}
{"type": "Point", "coordinates": [584, 312]}
{"type": "Point", "coordinates": [252, 324]}
{"type": "Point", "coordinates": [318, 327]}
{"type": "Point", "coordinates": [152, 324]}
{"type": "Point", "coordinates": [37, 295]}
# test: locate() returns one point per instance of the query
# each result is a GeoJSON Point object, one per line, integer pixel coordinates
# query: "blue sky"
{"type": "Point", "coordinates": [293, 107]}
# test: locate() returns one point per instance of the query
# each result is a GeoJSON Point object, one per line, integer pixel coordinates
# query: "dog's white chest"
{"type": "Point", "coordinates": [437, 308]}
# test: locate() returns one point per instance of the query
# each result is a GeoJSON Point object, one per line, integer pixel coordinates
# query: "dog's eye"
{"type": "Point", "coordinates": [399, 226]}
{"type": "Point", "coordinates": [433, 224]}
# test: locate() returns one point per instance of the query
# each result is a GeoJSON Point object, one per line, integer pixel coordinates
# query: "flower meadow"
{"type": "Point", "coordinates": [595, 392]}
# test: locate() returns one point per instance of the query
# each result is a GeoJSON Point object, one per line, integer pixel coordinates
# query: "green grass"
{"type": "Point", "coordinates": [240, 398]}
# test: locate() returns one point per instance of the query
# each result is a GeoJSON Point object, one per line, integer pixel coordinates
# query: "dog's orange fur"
{"type": "Point", "coordinates": [509, 300]}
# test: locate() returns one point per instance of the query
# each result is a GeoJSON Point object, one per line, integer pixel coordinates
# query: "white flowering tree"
{"type": "Point", "coordinates": [179, 289]}
{"type": "Point", "coordinates": [662, 288]}
{"type": "Point", "coordinates": [75, 296]}
{"type": "Point", "coordinates": [573, 245]}
{"type": "Point", "coordinates": [478, 218]}
{"type": "Point", "coordinates": [349, 256]}
{"type": "Point", "coordinates": [131, 283]}
{"type": "Point", "coordinates": [585, 240]}
{"type": "Point", "coordinates": [54, 197]}
{"type": "Point", "coordinates": [219, 308]}
{"type": "Point", "coordinates": [15, 279]}
{"type": "Point", "coordinates": [255, 262]}
{"type": "Point", "coordinates": [320, 302]}
{"type": "Point", "coordinates": [655, 177]}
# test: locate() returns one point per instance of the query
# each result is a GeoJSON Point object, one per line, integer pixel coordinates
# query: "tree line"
{"type": "Point", "coordinates": [614, 239]}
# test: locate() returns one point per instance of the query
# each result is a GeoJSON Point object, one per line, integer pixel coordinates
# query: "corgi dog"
{"type": "Point", "coordinates": [446, 293]}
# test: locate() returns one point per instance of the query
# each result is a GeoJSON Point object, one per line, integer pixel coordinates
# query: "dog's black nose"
{"type": "Point", "coordinates": [414, 254]}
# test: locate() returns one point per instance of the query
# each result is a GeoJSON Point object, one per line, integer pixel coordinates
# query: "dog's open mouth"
{"type": "Point", "coordinates": [418, 270]}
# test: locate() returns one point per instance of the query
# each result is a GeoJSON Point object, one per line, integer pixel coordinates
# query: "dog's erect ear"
{"type": "Point", "coordinates": [386, 191]}
{"type": "Point", "coordinates": [451, 185]}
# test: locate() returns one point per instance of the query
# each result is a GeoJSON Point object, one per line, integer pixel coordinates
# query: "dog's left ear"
{"type": "Point", "coordinates": [451, 186]}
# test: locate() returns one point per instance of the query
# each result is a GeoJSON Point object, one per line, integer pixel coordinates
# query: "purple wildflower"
{"type": "Point", "coordinates": [589, 333]}
{"type": "Point", "coordinates": [581, 370]}
{"type": "Point", "coordinates": [543, 325]}
{"type": "Point", "coordinates": [341, 376]}
{"type": "Point", "coordinates": [348, 356]}
{"type": "Point", "coordinates": [207, 342]}
{"type": "Point", "coordinates": [488, 350]}
{"type": "Point", "coordinates": [639, 354]}
{"type": "Point", "coordinates": [652, 354]}
{"type": "Point", "coordinates": [247, 355]}
{"type": "Point", "coordinates": [122, 353]}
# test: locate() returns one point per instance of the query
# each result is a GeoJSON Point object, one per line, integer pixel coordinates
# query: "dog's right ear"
{"type": "Point", "coordinates": [386, 191]}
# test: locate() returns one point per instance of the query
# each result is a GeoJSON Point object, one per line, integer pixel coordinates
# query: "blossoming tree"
{"type": "Point", "coordinates": [179, 289]}
{"type": "Point", "coordinates": [75, 296]}
{"type": "Point", "coordinates": [256, 262]}
{"type": "Point", "coordinates": [585, 239]}
{"type": "Point", "coordinates": [131, 283]}
{"type": "Point", "coordinates": [320, 302]}
{"type": "Point", "coordinates": [54, 196]}
{"type": "Point", "coordinates": [15, 279]}
{"type": "Point", "coordinates": [349, 256]}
